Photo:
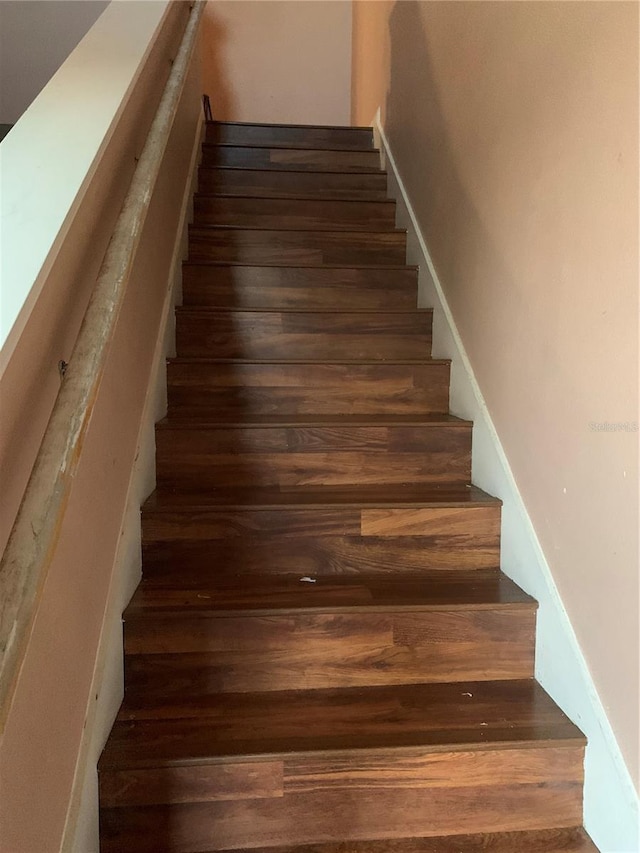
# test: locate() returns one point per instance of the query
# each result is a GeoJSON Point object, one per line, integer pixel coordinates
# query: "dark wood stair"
{"type": "Point", "coordinates": [323, 655]}
{"type": "Point", "coordinates": [296, 157]}
{"type": "Point", "coordinates": [292, 183]}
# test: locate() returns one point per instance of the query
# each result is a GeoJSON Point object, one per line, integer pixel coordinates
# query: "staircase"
{"type": "Point", "coordinates": [323, 656]}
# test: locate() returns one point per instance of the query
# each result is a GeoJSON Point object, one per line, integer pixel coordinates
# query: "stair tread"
{"type": "Point", "coordinates": [292, 146]}
{"type": "Point", "coordinates": [353, 127]}
{"type": "Point", "coordinates": [210, 421]}
{"type": "Point", "coordinates": [200, 311]}
{"type": "Point", "coordinates": [562, 840]}
{"type": "Point", "coordinates": [359, 171]}
{"type": "Point", "coordinates": [258, 196]}
{"type": "Point", "coordinates": [330, 170]}
{"type": "Point", "coordinates": [358, 232]}
{"type": "Point", "coordinates": [469, 715]}
{"type": "Point", "coordinates": [224, 593]}
{"type": "Point", "coordinates": [387, 268]}
{"type": "Point", "coordinates": [385, 496]}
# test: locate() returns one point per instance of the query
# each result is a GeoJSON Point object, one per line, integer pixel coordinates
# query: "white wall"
{"type": "Point", "coordinates": [35, 39]}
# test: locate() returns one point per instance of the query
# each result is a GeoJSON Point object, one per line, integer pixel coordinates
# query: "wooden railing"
{"type": "Point", "coordinates": [36, 530]}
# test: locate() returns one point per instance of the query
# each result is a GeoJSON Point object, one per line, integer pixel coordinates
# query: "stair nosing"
{"type": "Point", "coordinates": [200, 504]}
{"type": "Point", "coordinates": [362, 170]}
{"type": "Point", "coordinates": [226, 309]}
{"type": "Point", "coordinates": [214, 123]}
{"type": "Point", "coordinates": [169, 613]}
{"type": "Point", "coordinates": [363, 361]}
{"type": "Point", "coordinates": [329, 421]}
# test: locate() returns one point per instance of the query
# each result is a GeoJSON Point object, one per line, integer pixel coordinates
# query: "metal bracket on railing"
{"type": "Point", "coordinates": [206, 106]}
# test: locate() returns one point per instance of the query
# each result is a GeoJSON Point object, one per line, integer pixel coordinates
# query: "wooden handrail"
{"type": "Point", "coordinates": [36, 530]}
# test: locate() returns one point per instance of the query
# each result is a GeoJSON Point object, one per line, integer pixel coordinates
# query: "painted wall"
{"type": "Point", "coordinates": [60, 684]}
{"type": "Point", "coordinates": [278, 61]}
{"type": "Point", "coordinates": [515, 131]}
{"type": "Point", "coordinates": [35, 39]}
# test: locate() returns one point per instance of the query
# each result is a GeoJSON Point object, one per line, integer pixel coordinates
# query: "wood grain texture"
{"type": "Point", "coordinates": [234, 133]}
{"type": "Point", "coordinates": [264, 246]}
{"type": "Point", "coordinates": [219, 592]}
{"type": "Point", "coordinates": [255, 157]}
{"type": "Point", "coordinates": [303, 288]}
{"type": "Point", "coordinates": [256, 212]}
{"type": "Point", "coordinates": [203, 458]}
{"type": "Point", "coordinates": [307, 388]}
{"type": "Point", "coordinates": [335, 498]}
{"type": "Point", "coordinates": [168, 654]}
{"type": "Point", "coordinates": [323, 816]}
{"type": "Point", "coordinates": [291, 334]}
{"type": "Point", "coordinates": [424, 716]}
{"type": "Point", "coordinates": [191, 783]}
{"type": "Point", "coordinates": [571, 840]}
{"type": "Point", "coordinates": [313, 555]}
{"type": "Point", "coordinates": [323, 650]}
{"type": "Point", "coordinates": [291, 184]}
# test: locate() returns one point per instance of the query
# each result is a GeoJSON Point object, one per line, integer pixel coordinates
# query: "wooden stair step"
{"type": "Point", "coordinates": [293, 183]}
{"type": "Point", "coordinates": [451, 548]}
{"type": "Point", "coordinates": [384, 504]}
{"type": "Point", "coordinates": [571, 840]}
{"type": "Point", "coordinates": [430, 716]}
{"type": "Point", "coordinates": [313, 420]}
{"type": "Point", "coordinates": [325, 530]}
{"type": "Point", "coordinates": [303, 288]}
{"type": "Point", "coordinates": [216, 592]}
{"type": "Point", "coordinates": [270, 633]}
{"type": "Point", "coordinates": [271, 212]}
{"type": "Point", "coordinates": [245, 388]}
{"type": "Point", "coordinates": [308, 766]}
{"type": "Point", "coordinates": [283, 334]}
{"type": "Point", "coordinates": [265, 245]}
{"type": "Point", "coordinates": [198, 457]}
{"type": "Point", "coordinates": [309, 136]}
{"type": "Point", "coordinates": [300, 159]}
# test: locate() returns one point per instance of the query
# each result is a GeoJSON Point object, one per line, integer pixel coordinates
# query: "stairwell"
{"type": "Point", "coordinates": [323, 656]}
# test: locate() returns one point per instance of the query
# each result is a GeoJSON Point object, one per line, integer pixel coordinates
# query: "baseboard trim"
{"type": "Point", "coordinates": [611, 808]}
{"type": "Point", "coordinates": [81, 832]}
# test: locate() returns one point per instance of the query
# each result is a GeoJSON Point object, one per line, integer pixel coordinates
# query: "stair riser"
{"type": "Point", "coordinates": [316, 556]}
{"type": "Point", "coordinates": [290, 389]}
{"type": "Point", "coordinates": [555, 840]}
{"type": "Point", "coordinates": [296, 287]}
{"type": "Point", "coordinates": [312, 651]}
{"type": "Point", "coordinates": [281, 335]}
{"type": "Point", "coordinates": [306, 800]}
{"type": "Point", "coordinates": [293, 213]}
{"type": "Point", "coordinates": [309, 137]}
{"type": "Point", "coordinates": [472, 532]}
{"type": "Point", "coordinates": [297, 247]}
{"type": "Point", "coordinates": [199, 459]}
{"type": "Point", "coordinates": [250, 182]}
{"type": "Point", "coordinates": [289, 158]}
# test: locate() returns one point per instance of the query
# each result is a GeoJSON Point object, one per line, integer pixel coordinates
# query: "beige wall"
{"type": "Point", "coordinates": [44, 730]}
{"type": "Point", "coordinates": [35, 39]}
{"type": "Point", "coordinates": [278, 60]}
{"type": "Point", "coordinates": [515, 130]}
